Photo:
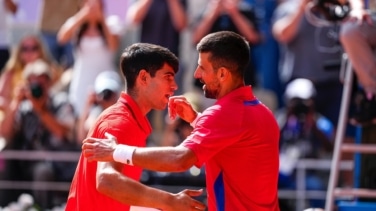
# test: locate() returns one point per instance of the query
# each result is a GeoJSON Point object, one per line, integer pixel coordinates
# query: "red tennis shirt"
{"type": "Point", "coordinates": [237, 140]}
{"type": "Point", "coordinates": [125, 121]}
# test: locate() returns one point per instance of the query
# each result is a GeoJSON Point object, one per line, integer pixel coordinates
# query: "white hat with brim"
{"type": "Point", "coordinates": [37, 68]}
{"type": "Point", "coordinates": [107, 80]}
{"type": "Point", "coordinates": [300, 88]}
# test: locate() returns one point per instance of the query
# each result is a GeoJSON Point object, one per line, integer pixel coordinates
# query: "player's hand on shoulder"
{"type": "Point", "coordinates": [96, 149]}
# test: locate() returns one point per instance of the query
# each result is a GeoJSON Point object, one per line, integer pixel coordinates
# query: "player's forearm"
{"type": "Point", "coordinates": [128, 191]}
{"type": "Point", "coordinates": [167, 159]}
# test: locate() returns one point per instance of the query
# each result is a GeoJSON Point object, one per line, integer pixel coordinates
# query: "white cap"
{"type": "Point", "coordinates": [300, 88]}
{"type": "Point", "coordinates": [37, 68]}
{"type": "Point", "coordinates": [108, 80]}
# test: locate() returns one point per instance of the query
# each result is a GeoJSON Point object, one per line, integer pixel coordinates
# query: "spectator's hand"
{"type": "Point", "coordinates": [361, 16]}
{"type": "Point", "coordinates": [91, 98]}
{"type": "Point", "coordinates": [84, 12]}
{"type": "Point", "coordinates": [215, 7]}
{"type": "Point", "coordinates": [96, 149]}
{"type": "Point", "coordinates": [184, 201]}
{"type": "Point", "coordinates": [310, 121]}
{"type": "Point", "coordinates": [39, 104]}
{"type": "Point", "coordinates": [96, 10]}
{"type": "Point", "coordinates": [19, 93]}
{"type": "Point", "coordinates": [91, 10]}
{"type": "Point", "coordinates": [178, 105]}
{"type": "Point", "coordinates": [230, 6]}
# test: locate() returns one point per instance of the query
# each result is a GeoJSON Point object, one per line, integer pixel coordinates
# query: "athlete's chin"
{"type": "Point", "coordinates": [209, 94]}
{"type": "Point", "coordinates": [161, 107]}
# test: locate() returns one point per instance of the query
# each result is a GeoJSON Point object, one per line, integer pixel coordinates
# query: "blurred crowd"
{"type": "Point", "coordinates": [57, 77]}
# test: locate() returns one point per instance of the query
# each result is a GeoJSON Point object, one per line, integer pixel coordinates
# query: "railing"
{"type": "Point", "coordinates": [300, 194]}
{"type": "Point", "coordinates": [37, 155]}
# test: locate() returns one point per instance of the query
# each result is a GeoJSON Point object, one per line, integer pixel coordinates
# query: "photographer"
{"type": "Point", "coordinates": [308, 33]}
{"type": "Point", "coordinates": [35, 120]}
{"type": "Point", "coordinates": [304, 134]}
{"type": "Point", "coordinates": [309, 39]}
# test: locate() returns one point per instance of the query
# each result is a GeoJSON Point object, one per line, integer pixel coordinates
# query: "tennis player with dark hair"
{"type": "Point", "coordinates": [237, 138]}
{"type": "Point", "coordinates": [149, 71]}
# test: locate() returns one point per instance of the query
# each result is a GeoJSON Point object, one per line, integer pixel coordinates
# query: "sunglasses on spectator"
{"type": "Point", "coordinates": [29, 48]}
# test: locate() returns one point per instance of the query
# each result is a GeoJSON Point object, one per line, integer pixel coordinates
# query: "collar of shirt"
{"type": "Point", "coordinates": [136, 112]}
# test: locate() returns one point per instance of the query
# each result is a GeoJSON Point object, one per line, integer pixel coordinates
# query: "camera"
{"type": "Point", "coordinates": [105, 95]}
{"type": "Point", "coordinates": [334, 10]}
{"type": "Point", "coordinates": [299, 107]}
{"type": "Point", "coordinates": [36, 90]}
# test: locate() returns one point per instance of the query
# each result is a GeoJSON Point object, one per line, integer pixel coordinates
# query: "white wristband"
{"type": "Point", "coordinates": [193, 123]}
{"type": "Point", "coordinates": [123, 154]}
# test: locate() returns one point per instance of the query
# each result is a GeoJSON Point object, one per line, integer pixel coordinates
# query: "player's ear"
{"type": "Point", "coordinates": [142, 76]}
{"type": "Point", "coordinates": [222, 73]}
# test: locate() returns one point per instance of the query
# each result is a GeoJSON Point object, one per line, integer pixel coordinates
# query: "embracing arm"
{"type": "Point", "coordinates": [110, 182]}
{"type": "Point", "coordinates": [167, 159]}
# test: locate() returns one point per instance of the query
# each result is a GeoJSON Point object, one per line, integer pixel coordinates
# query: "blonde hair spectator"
{"type": "Point", "coordinates": [29, 49]}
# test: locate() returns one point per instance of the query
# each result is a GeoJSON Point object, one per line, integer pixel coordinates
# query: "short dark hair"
{"type": "Point", "coordinates": [145, 56]}
{"type": "Point", "coordinates": [227, 49]}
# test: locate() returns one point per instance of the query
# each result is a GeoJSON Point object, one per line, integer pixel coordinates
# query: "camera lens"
{"type": "Point", "coordinates": [299, 107]}
{"type": "Point", "coordinates": [334, 9]}
{"type": "Point", "coordinates": [36, 90]}
{"type": "Point", "coordinates": [106, 94]}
